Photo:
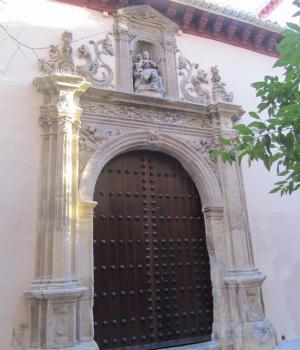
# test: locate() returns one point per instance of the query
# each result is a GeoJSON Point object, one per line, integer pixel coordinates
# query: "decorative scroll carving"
{"type": "Point", "coordinates": [191, 84]}
{"type": "Point", "coordinates": [91, 138]}
{"type": "Point", "coordinates": [146, 77]}
{"type": "Point", "coordinates": [95, 69]}
{"type": "Point", "coordinates": [218, 89]}
{"type": "Point", "coordinates": [60, 60]}
{"type": "Point", "coordinates": [144, 114]}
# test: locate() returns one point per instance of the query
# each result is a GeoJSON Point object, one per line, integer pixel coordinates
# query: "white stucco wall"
{"type": "Point", "coordinates": [274, 221]}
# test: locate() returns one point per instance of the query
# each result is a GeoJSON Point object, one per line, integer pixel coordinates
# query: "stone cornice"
{"type": "Point", "coordinates": [164, 104]}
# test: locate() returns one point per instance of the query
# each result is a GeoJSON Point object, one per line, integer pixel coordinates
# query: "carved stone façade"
{"type": "Point", "coordinates": [82, 131]}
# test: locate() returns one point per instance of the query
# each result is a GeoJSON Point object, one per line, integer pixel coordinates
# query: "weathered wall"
{"type": "Point", "coordinates": [274, 222]}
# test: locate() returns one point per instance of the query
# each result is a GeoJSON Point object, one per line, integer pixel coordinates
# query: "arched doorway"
{"type": "Point", "coordinates": [152, 273]}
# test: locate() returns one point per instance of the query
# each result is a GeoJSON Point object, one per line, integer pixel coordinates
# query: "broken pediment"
{"type": "Point", "coordinates": [145, 14]}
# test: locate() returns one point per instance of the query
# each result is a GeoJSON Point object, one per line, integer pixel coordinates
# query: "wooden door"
{"type": "Point", "coordinates": [152, 273]}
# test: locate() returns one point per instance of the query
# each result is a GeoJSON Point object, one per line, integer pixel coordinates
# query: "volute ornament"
{"type": "Point", "coordinates": [95, 69]}
{"type": "Point", "coordinates": [193, 81]}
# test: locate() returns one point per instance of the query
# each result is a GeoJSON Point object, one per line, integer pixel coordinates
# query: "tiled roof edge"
{"type": "Point", "coordinates": [228, 11]}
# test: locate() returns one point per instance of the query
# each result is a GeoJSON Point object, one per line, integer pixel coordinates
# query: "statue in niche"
{"type": "Point", "coordinates": [146, 77]}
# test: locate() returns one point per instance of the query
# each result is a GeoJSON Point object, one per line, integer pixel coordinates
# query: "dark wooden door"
{"type": "Point", "coordinates": [152, 273]}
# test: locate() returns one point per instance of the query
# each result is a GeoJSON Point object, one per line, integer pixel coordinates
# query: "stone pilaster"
{"type": "Point", "coordinates": [123, 56]}
{"type": "Point", "coordinates": [250, 329]}
{"type": "Point", "coordinates": [172, 79]}
{"type": "Point", "coordinates": [56, 291]}
{"type": "Point", "coordinates": [214, 223]}
{"type": "Point", "coordinates": [86, 270]}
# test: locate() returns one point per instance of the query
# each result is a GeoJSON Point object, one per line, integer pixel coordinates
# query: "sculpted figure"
{"type": "Point", "coordinates": [146, 77]}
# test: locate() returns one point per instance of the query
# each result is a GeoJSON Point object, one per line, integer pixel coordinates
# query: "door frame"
{"type": "Point", "coordinates": [212, 205]}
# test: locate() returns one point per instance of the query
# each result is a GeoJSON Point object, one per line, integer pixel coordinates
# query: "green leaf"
{"type": "Point", "coordinates": [293, 26]}
{"type": "Point", "coordinates": [213, 154]}
{"type": "Point", "coordinates": [276, 189]}
{"type": "Point", "coordinates": [224, 141]}
{"type": "Point", "coordinates": [242, 129]}
{"type": "Point", "coordinates": [254, 115]}
{"type": "Point", "coordinates": [258, 125]}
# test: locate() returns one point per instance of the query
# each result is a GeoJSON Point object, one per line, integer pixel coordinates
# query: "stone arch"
{"type": "Point", "coordinates": [212, 206]}
{"type": "Point", "coordinates": [202, 175]}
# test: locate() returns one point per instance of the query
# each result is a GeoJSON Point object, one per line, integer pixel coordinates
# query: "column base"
{"type": "Point", "coordinates": [250, 329]}
{"type": "Point", "coordinates": [54, 316]}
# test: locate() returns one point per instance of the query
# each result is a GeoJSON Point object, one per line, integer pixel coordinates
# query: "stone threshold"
{"type": "Point", "coordinates": [211, 345]}
{"type": "Point", "coordinates": [289, 345]}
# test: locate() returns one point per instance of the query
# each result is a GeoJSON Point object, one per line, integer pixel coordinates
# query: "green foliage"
{"type": "Point", "coordinates": [275, 140]}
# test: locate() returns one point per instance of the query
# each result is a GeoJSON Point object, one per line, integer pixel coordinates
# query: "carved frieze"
{"type": "Point", "coordinates": [144, 114]}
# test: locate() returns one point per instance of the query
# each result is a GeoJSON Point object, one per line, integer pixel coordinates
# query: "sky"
{"type": "Point", "coordinates": [281, 15]}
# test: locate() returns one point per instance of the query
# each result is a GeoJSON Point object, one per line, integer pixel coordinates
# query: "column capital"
{"type": "Point", "coordinates": [61, 89]}
{"type": "Point", "coordinates": [86, 208]}
{"type": "Point", "coordinates": [244, 277]}
{"type": "Point", "coordinates": [227, 114]}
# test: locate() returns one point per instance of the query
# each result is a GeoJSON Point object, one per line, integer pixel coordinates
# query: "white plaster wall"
{"type": "Point", "coordinates": [39, 23]}
{"type": "Point", "coordinates": [274, 221]}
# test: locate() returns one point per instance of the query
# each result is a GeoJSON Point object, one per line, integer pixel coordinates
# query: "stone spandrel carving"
{"type": "Point", "coordinates": [146, 76]}
{"type": "Point", "coordinates": [204, 147]}
{"type": "Point", "coordinates": [91, 138]}
{"type": "Point", "coordinates": [95, 69]}
{"type": "Point", "coordinates": [218, 89]}
{"type": "Point", "coordinates": [60, 59]}
{"type": "Point", "coordinates": [193, 80]}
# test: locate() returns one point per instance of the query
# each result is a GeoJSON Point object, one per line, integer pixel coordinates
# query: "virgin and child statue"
{"type": "Point", "coordinates": [146, 77]}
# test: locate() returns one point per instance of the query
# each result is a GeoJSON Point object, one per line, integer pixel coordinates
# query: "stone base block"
{"type": "Point", "coordinates": [289, 345]}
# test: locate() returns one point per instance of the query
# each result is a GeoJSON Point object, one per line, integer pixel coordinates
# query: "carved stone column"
{"type": "Point", "coordinates": [250, 329]}
{"type": "Point", "coordinates": [56, 291]}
